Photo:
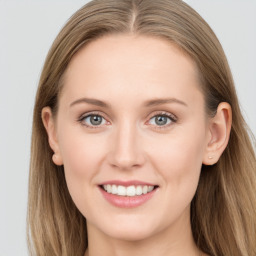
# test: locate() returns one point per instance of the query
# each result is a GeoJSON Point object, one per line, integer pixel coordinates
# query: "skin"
{"type": "Point", "coordinates": [125, 71]}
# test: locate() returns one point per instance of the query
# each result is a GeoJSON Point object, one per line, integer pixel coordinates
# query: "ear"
{"type": "Point", "coordinates": [219, 131]}
{"type": "Point", "coordinates": [50, 127]}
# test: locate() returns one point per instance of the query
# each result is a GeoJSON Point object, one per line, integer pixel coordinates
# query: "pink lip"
{"type": "Point", "coordinates": [127, 183]}
{"type": "Point", "coordinates": [127, 201]}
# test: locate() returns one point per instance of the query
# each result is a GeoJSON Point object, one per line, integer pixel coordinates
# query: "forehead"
{"type": "Point", "coordinates": [131, 65]}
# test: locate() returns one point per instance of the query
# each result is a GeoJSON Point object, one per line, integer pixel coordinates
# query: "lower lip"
{"type": "Point", "coordinates": [127, 201]}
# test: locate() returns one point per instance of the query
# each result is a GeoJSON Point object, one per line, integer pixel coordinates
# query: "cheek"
{"type": "Point", "coordinates": [80, 153]}
{"type": "Point", "coordinates": [179, 158]}
{"type": "Point", "coordinates": [81, 158]}
{"type": "Point", "coordinates": [179, 164]}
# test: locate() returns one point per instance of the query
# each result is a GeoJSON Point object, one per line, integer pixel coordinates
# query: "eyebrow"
{"type": "Point", "coordinates": [155, 102]}
{"type": "Point", "coordinates": [90, 101]}
{"type": "Point", "coordinates": [148, 103]}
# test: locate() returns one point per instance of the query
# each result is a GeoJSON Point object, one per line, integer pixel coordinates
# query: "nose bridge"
{"type": "Point", "coordinates": [126, 151]}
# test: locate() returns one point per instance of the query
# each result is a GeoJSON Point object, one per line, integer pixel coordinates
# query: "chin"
{"type": "Point", "coordinates": [131, 235]}
{"type": "Point", "coordinates": [129, 228]}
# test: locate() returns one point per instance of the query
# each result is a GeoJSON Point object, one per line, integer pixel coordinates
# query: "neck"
{"type": "Point", "coordinates": [176, 240]}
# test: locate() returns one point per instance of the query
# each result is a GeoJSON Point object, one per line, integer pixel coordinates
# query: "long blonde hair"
{"type": "Point", "coordinates": [223, 211]}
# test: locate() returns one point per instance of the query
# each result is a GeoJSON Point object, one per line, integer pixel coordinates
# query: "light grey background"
{"type": "Point", "coordinates": [27, 29]}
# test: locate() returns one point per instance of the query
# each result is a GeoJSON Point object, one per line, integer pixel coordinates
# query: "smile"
{"type": "Point", "coordinates": [127, 194]}
{"type": "Point", "coordinates": [127, 191]}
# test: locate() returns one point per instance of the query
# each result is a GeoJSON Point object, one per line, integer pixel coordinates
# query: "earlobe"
{"type": "Point", "coordinates": [219, 131]}
{"type": "Point", "coordinates": [50, 128]}
{"type": "Point", "coordinates": [56, 158]}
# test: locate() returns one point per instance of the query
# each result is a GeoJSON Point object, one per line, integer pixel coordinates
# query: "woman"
{"type": "Point", "coordinates": [139, 146]}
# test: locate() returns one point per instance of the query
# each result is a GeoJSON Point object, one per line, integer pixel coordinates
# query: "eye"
{"type": "Point", "coordinates": [162, 120]}
{"type": "Point", "coordinates": [93, 120]}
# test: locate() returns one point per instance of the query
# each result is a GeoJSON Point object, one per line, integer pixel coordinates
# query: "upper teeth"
{"type": "Point", "coordinates": [127, 191]}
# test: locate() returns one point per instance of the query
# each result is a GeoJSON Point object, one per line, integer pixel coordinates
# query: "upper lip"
{"type": "Point", "coordinates": [127, 183]}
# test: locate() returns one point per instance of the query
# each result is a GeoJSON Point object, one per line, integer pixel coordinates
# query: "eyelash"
{"type": "Point", "coordinates": [172, 118]}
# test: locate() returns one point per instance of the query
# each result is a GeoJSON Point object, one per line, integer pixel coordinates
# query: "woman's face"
{"type": "Point", "coordinates": [131, 119]}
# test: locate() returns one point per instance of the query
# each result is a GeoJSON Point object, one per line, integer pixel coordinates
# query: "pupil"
{"type": "Point", "coordinates": [95, 120]}
{"type": "Point", "coordinates": [161, 120]}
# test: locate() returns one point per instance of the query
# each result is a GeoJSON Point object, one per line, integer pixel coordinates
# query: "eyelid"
{"type": "Point", "coordinates": [172, 117]}
{"type": "Point", "coordinates": [154, 114]}
{"type": "Point", "coordinates": [92, 113]}
{"type": "Point", "coordinates": [164, 113]}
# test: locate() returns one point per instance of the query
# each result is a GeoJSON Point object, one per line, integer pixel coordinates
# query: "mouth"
{"type": "Point", "coordinates": [127, 194]}
{"type": "Point", "coordinates": [132, 190]}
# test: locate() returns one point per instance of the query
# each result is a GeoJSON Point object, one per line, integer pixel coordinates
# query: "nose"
{"type": "Point", "coordinates": [126, 150]}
